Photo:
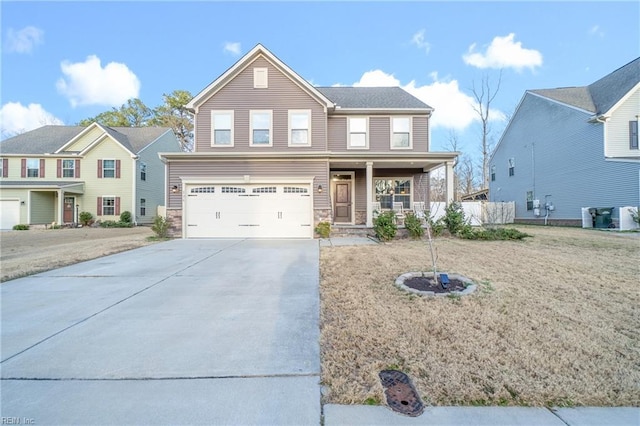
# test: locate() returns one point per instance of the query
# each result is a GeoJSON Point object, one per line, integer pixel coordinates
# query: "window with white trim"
{"type": "Point", "coordinates": [401, 132]}
{"type": "Point", "coordinates": [143, 171]}
{"type": "Point", "coordinates": [143, 207]}
{"type": "Point", "coordinates": [300, 127]}
{"type": "Point", "coordinates": [493, 173]}
{"type": "Point", "coordinates": [108, 168]}
{"type": "Point", "coordinates": [358, 135]}
{"type": "Point", "coordinates": [68, 168]}
{"type": "Point", "coordinates": [108, 206]}
{"type": "Point", "coordinates": [221, 128]}
{"type": "Point", "coordinates": [512, 166]}
{"type": "Point", "coordinates": [260, 78]}
{"type": "Point", "coordinates": [33, 167]}
{"type": "Point", "coordinates": [261, 128]}
{"type": "Point", "coordinates": [387, 191]}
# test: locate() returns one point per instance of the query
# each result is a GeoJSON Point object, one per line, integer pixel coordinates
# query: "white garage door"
{"type": "Point", "coordinates": [248, 211]}
{"type": "Point", "coordinates": [9, 213]}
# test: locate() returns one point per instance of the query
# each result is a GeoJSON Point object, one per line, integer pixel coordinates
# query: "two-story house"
{"type": "Point", "coordinates": [275, 155]}
{"type": "Point", "coordinates": [571, 149]}
{"type": "Point", "coordinates": [53, 173]}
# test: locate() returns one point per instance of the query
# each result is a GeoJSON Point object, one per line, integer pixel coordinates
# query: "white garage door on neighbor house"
{"type": "Point", "coordinates": [9, 213]}
{"type": "Point", "coordinates": [248, 211]}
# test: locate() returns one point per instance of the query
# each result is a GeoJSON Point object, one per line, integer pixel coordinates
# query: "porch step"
{"type": "Point", "coordinates": [351, 231]}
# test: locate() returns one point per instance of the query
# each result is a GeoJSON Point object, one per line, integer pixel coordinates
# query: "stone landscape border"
{"type": "Point", "coordinates": [470, 286]}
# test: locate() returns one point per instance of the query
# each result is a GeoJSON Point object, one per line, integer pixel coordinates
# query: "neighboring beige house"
{"type": "Point", "coordinates": [275, 155]}
{"type": "Point", "coordinates": [53, 173]}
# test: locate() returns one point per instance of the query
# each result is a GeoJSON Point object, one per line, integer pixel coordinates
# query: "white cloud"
{"type": "Point", "coordinates": [88, 83]}
{"type": "Point", "coordinates": [418, 40]}
{"type": "Point", "coordinates": [16, 118]}
{"type": "Point", "coordinates": [453, 108]}
{"type": "Point", "coordinates": [24, 40]}
{"type": "Point", "coordinates": [503, 52]}
{"type": "Point", "coordinates": [596, 31]}
{"type": "Point", "coordinates": [232, 47]}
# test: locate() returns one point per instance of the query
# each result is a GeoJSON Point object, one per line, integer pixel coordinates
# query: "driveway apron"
{"type": "Point", "coordinates": [182, 332]}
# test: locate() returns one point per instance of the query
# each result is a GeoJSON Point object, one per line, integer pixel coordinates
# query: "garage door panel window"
{"type": "Point", "coordinates": [222, 128]}
{"type": "Point", "coordinates": [261, 128]}
{"type": "Point", "coordinates": [203, 190]}
{"type": "Point", "coordinates": [264, 190]}
{"type": "Point", "coordinates": [232, 190]}
{"type": "Point", "coordinates": [295, 190]}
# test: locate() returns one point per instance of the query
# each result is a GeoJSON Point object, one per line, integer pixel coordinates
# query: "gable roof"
{"type": "Point", "coordinates": [241, 64]}
{"type": "Point", "coordinates": [372, 98]}
{"type": "Point", "coordinates": [600, 96]}
{"type": "Point", "coordinates": [49, 139]}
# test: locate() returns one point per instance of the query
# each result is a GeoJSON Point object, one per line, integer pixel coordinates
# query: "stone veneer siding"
{"type": "Point", "coordinates": [361, 217]}
{"type": "Point", "coordinates": [174, 217]}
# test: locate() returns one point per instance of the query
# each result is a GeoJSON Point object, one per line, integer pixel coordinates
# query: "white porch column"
{"type": "Point", "coordinates": [450, 196]}
{"type": "Point", "coordinates": [369, 194]}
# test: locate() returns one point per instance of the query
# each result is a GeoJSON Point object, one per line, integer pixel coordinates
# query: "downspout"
{"type": "Point", "coordinates": [134, 189]}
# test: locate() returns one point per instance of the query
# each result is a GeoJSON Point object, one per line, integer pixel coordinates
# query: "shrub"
{"type": "Point", "coordinates": [115, 224]}
{"type": "Point", "coordinates": [437, 227]}
{"type": "Point", "coordinates": [85, 218]}
{"type": "Point", "coordinates": [323, 229]}
{"type": "Point", "coordinates": [413, 225]}
{"type": "Point", "coordinates": [491, 234]}
{"type": "Point", "coordinates": [385, 225]}
{"type": "Point", "coordinates": [20, 227]}
{"type": "Point", "coordinates": [160, 227]}
{"type": "Point", "coordinates": [454, 217]}
{"type": "Point", "coordinates": [635, 215]}
{"type": "Point", "coordinates": [125, 217]}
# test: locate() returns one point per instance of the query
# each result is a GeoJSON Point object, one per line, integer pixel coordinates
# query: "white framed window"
{"type": "Point", "coordinates": [358, 135]}
{"type": "Point", "coordinates": [222, 128]}
{"type": "Point", "coordinates": [261, 121]}
{"type": "Point", "coordinates": [108, 168]}
{"type": "Point", "coordinates": [300, 127]}
{"type": "Point", "coordinates": [493, 173]}
{"type": "Point", "coordinates": [390, 190]}
{"type": "Point", "coordinates": [512, 166]}
{"type": "Point", "coordinates": [401, 133]}
{"type": "Point", "coordinates": [108, 206]}
{"type": "Point", "coordinates": [143, 207]}
{"type": "Point", "coordinates": [143, 171]}
{"type": "Point", "coordinates": [260, 78]}
{"type": "Point", "coordinates": [68, 168]}
{"type": "Point", "coordinates": [33, 167]}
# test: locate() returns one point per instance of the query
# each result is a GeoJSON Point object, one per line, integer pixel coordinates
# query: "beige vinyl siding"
{"type": "Point", "coordinates": [18, 194]}
{"type": "Point", "coordinates": [337, 132]}
{"type": "Point", "coordinates": [98, 187]}
{"type": "Point", "coordinates": [617, 128]}
{"type": "Point", "coordinates": [281, 96]}
{"type": "Point", "coordinates": [87, 139]}
{"type": "Point", "coordinates": [255, 169]}
{"type": "Point", "coordinates": [42, 207]}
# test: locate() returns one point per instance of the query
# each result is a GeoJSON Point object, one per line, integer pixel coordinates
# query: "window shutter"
{"type": "Point", "coordinates": [41, 174]}
{"type": "Point", "coordinates": [117, 169]}
{"type": "Point", "coordinates": [633, 135]}
{"type": "Point", "coordinates": [99, 169]}
{"type": "Point", "coordinates": [117, 206]}
{"type": "Point", "coordinates": [99, 212]}
{"type": "Point", "coordinates": [77, 168]}
{"type": "Point", "coordinates": [23, 170]}
{"type": "Point", "coordinates": [59, 168]}
{"type": "Point", "coordinates": [5, 167]}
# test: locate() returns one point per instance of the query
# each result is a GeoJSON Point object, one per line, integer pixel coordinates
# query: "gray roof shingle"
{"type": "Point", "coordinates": [600, 96]}
{"type": "Point", "coordinates": [48, 139]}
{"type": "Point", "coordinates": [372, 97]}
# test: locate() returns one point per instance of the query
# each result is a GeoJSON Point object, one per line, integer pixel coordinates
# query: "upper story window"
{"type": "Point", "coordinates": [33, 167]}
{"type": "Point", "coordinates": [260, 78]}
{"type": "Point", "coordinates": [108, 168]}
{"type": "Point", "coordinates": [221, 128]}
{"type": "Point", "coordinates": [633, 134]}
{"type": "Point", "coordinates": [493, 173]}
{"type": "Point", "coordinates": [358, 135]}
{"type": "Point", "coordinates": [401, 132]}
{"type": "Point", "coordinates": [261, 128]}
{"type": "Point", "coordinates": [4, 167]}
{"type": "Point", "coordinates": [299, 128]}
{"type": "Point", "coordinates": [143, 171]}
{"type": "Point", "coordinates": [143, 207]}
{"type": "Point", "coordinates": [68, 168]}
{"type": "Point", "coordinates": [512, 166]}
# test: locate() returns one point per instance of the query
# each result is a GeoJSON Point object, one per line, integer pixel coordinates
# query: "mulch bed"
{"type": "Point", "coordinates": [426, 283]}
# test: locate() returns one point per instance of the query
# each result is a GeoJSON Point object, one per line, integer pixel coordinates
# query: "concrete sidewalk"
{"type": "Point", "coordinates": [356, 415]}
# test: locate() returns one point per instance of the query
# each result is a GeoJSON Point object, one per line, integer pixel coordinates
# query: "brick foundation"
{"type": "Point", "coordinates": [550, 222]}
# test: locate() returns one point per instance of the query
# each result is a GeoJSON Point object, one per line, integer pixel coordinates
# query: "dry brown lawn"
{"type": "Point", "coordinates": [37, 250]}
{"type": "Point", "coordinates": [555, 321]}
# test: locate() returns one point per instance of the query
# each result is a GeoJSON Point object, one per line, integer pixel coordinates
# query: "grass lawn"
{"type": "Point", "coordinates": [555, 321]}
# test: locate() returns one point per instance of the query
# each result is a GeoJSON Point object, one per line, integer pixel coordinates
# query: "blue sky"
{"type": "Point", "coordinates": [65, 61]}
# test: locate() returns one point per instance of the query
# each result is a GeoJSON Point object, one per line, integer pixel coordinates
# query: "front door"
{"type": "Point", "coordinates": [68, 209]}
{"type": "Point", "coordinates": [343, 202]}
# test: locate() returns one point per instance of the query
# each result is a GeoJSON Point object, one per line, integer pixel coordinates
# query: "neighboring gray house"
{"type": "Point", "coordinates": [53, 173]}
{"type": "Point", "coordinates": [571, 148]}
{"type": "Point", "coordinates": [275, 155]}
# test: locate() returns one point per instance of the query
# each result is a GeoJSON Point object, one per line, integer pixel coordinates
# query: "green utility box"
{"type": "Point", "coordinates": [602, 217]}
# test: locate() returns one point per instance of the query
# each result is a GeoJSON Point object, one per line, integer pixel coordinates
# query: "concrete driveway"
{"type": "Point", "coordinates": [182, 332]}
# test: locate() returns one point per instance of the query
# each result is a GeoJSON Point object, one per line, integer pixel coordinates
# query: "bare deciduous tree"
{"type": "Point", "coordinates": [484, 96]}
